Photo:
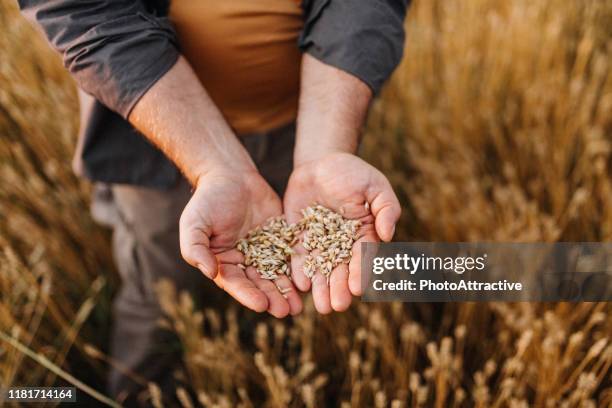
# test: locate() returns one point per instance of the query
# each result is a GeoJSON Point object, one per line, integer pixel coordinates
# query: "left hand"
{"type": "Point", "coordinates": [226, 204]}
{"type": "Point", "coordinates": [344, 183]}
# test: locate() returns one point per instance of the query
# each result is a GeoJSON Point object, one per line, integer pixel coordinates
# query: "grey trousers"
{"type": "Point", "coordinates": [146, 249]}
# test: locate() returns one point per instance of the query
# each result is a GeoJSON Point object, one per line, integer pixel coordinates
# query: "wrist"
{"type": "Point", "coordinates": [238, 172]}
{"type": "Point", "coordinates": [222, 156]}
{"type": "Point", "coordinates": [326, 143]}
{"type": "Point", "coordinates": [332, 110]}
{"type": "Point", "coordinates": [317, 152]}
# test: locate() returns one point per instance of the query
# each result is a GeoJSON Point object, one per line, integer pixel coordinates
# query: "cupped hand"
{"type": "Point", "coordinates": [225, 205]}
{"type": "Point", "coordinates": [346, 184]}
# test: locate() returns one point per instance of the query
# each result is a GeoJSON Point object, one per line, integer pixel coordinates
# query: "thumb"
{"type": "Point", "coordinates": [195, 248]}
{"type": "Point", "coordinates": [207, 263]}
{"type": "Point", "coordinates": [293, 204]}
{"type": "Point", "coordinates": [385, 208]}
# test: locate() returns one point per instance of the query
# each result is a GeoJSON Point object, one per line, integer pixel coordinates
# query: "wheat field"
{"type": "Point", "coordinates": [497, 126]}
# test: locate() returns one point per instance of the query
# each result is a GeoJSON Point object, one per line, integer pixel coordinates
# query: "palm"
{"type": "Point", "coordinates": [343, 183]}
{"type": "Point", "coordinates": [220, 212]}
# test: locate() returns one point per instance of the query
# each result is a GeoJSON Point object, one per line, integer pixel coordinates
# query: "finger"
{"type": "Point", "coordinates": [354, 282]}
{"type": "Point", "coordinates": [338, 287]}
{"type": "Point", "coordinates": [301, 281]}
{"type": "Point", "coordinates": [195, 250]}
{"type": "Point", "coordinates": [385, 207]}
{"type": "Point", "coordinates": [277, 304]}
{"type": "Point", "coordinates": [293, 203]}
{"type": "Point", "coordinates": [195, 246]}
{"type": "Point", "coordinates": [230, 256]}
{"type": "Point", "coordinates": [320, 294]}
{"type": "Point", "coordinates": [233, 280]}
{"type": "Point", "coordinates": [354, 211]}
{"type": "Point", "coordinates": [288, 291]}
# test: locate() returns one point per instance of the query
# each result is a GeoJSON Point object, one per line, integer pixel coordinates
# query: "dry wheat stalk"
{"type": "Point", "coordinates": [542, 121]}
{"type": "Point", "coordinates": [328, 238]}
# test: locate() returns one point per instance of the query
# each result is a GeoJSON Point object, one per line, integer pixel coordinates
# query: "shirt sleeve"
{"type": "Point", "coordinates": [363, 38]}
{"type": "Point", "coordinates": [115, 49]}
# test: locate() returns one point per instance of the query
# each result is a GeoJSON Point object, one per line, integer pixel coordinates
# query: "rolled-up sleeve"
{"type": "Point", "coordinates": [364, 38]}
{"type": "Point", "coordinates": [115, 49]}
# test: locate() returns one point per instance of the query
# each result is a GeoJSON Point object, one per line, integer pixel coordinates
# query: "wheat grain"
{"type": "Point", "coordinates": [268, 248]}
{"type": "Point", "coordinates": [328, 237]}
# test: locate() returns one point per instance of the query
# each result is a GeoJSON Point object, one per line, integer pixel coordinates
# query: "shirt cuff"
{"type": "Point", "coordinates": [119, 61]}
{"type": "Point", "coordinates": [365, 39]}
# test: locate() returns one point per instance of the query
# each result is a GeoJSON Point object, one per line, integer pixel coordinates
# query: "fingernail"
{"type": "Point", "coordinates": [392, 233]}
{"type": "Point", "coordinates": [205, 271]}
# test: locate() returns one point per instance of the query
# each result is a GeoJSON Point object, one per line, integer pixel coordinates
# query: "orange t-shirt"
{"type": "Point", "coordinates": [245, 54]}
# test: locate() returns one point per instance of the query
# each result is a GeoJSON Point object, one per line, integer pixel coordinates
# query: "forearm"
{"type": "Point", "coordinates": [179, 117]}
{"type": "Point", "coordinates": [332, 109]}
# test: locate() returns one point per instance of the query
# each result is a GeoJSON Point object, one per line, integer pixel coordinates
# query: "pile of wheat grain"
{"type": "Point", "coordinates": [327, 237]}
{"type": "Point", "coordinates": [268, 248]}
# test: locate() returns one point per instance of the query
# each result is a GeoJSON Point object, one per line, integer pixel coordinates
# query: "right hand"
{"type": "Point", "coordinates": [226, 204]}
{"type": "Point", "coordinates": [341, 182]}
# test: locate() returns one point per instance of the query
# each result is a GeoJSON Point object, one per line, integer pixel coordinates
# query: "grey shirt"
{"type": "Point", "coordinates": [117, 49]}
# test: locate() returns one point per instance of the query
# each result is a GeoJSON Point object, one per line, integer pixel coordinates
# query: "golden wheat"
{"type": "Point", "coordinates": [497, 126]}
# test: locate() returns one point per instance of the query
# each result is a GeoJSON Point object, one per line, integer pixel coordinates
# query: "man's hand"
{"type": "Point", "coordinates": [230, 196]}
{"type": "Point", "coordinates": [344, 183]}
{"type": "Point", "coordinates": [333, 107]}
{"type": "Point", "coordinates": [224, 207]}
